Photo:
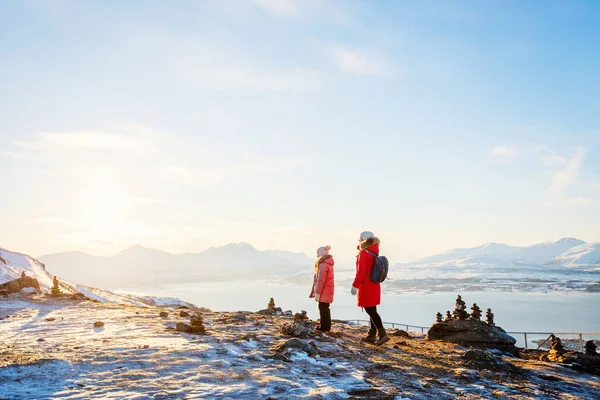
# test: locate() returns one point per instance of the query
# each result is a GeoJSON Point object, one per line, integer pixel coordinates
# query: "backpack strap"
{"type": "Point", "coordinates": [375, 255]}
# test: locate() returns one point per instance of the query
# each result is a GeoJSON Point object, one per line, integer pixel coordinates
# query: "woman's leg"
{"type": "Point", "coordinates": [376, 322]}
{"type": "Point", "coordinates": [325, 313]}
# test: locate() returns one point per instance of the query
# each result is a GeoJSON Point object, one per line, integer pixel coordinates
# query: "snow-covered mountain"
{"type": "Point", "coordinates": [139, 266]}
{"type": "Point", "coordinates": [13, 264]}
{"type": "Point", "coordinates": [567, 264]}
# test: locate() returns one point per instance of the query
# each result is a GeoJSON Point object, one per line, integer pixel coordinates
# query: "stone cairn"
{"type": "Point", "coordinates": [489, 317]}
{"type": "Point", "coordinates": [301, 327]}
{"type": "Point", "coordinates": [23, 276]}
{"type": "Point", "coordinates": [557, 345]}
{"type": "Point", "coordinates": [271, 305]}
{"type": "Point", "coordinates": [196, 325]}
{"type": "Point", "coordinates": [590, 348]}
{"type": "Point", "coordinates": [476, 314]}
{"type": "Point", "coordinates": [55, 289]}
{"type": "Point", "coordinates": [459, 310]}
{"type": "Point", "coordinates": [448, 316]}
{"type": "Point", "coordinates": [438, 317]}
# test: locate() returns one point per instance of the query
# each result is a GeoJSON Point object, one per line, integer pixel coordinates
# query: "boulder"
{"type": "Point", "coordinates": [184, 314]}
{"type": "Point", "coordinates": [17, 285]}
{"type": "Point", "coordinates": [98, 324]}
{"type": "Point", "coordinates": [400, 333]}
{"type": "Point", "coordinates": [297, 345]}
{"type": "Point", "coordinates": [163, 314]}
{"type": "Point", "coordinates": [472, 333]}
{"type": "Point", "coordinates": [183, 327]}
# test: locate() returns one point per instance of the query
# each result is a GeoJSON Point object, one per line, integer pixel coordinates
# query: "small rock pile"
{"type": "Point", "coordinates": [587, 362]}
{"type": "Point", "coordinates": [460, 312]}
{"type": "Point", "coordinates": [55, 291]}
{"type": "Point", "coordinates": [271, 309]}
{"type": "Point", "coordinates": [301, 327]}
{"type": "Point", "coordinates": [468, 329]}
{"type": "Point", "coordinates": [196, 325]}
{"type": "Point", "coordinates": [590, 348]}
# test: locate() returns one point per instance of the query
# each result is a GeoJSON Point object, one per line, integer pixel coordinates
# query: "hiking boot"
{"type": "Point", "coordinates": [370, 338]}
{"type": "Point", "coordinates": [383, 337]}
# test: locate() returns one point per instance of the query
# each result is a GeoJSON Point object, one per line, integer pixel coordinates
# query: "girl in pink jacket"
{"type": "Point", "coordinates": [323, 285]}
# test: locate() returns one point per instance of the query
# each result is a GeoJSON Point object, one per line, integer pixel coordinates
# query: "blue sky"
{"type": "Point", "coordinates": [297, 123]}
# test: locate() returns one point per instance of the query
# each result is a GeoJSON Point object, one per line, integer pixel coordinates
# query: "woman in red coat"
{"type": "Point", "coordinates": [368, 293]}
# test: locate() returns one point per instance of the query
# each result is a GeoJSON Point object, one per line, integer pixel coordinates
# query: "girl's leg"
{"type": "Point", "coordinates": [325, 313]}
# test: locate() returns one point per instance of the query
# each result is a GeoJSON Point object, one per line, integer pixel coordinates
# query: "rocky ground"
{"type": "Point", "coordinates": [50, 349]}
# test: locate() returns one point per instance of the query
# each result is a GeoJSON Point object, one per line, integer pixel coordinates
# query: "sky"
{"type": "Point", "coordinates": [291, 124]}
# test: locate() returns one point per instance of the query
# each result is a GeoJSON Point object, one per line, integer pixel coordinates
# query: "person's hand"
{"type": "Point", "coordinates": [353, 291]}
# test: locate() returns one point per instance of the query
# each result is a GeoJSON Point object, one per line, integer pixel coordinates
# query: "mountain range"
{"type": "Point", "coordinates": [567, 264]}
{"type": "Point", "coordinates": [141, 266]}
{"type": "Point", "coordinates": [13, 264]}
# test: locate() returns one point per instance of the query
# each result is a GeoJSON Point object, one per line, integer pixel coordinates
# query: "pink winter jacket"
{"type": "Point", "coordinates": [323, 282]}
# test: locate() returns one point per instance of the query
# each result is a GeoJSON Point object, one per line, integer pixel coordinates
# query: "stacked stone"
{"type": "Point", "coordinates": [590, 348]}
{"type": "Point", "coordinates": [55, 289]}
{"type": "Point", "coordinates": [438, 317]}
{"type": "Point", "coordinates": [271, 305]}
{"type": "Point", "coordinates": [448, 316]}
{"type": "Point", "coordinates": [459, 311]}
{"type": "Point", "coordinates": [476, 314]}
{"type": "Point", "coordinates": [196, 325]}
{"type": "Point", "coordinates": [489, 317]}
{"type": "Point", "coordinates": [557, 344]}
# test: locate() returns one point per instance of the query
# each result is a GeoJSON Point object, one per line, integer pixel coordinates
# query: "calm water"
{"type": "Point", "coordinates": [514, 311]}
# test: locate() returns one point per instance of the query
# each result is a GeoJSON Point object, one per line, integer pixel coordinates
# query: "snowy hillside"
{"type": "Point", "coordinates": [567, 264]}
{"type": "Point", "coordinates": [13, 264]}
{"type": "Point", "coordinates": [140, 266]}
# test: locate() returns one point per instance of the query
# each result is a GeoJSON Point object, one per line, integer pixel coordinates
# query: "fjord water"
{"type": "Point", "coordinates": [514, 311]}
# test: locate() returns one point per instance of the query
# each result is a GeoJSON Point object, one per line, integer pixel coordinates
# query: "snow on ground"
{"type": "Point", "coordinates": [51, 350]}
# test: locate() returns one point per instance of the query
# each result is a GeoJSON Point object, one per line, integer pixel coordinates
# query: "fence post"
{"type": "Point", "coordinates": [581, 343]}
{"type": "Point", "coordinates": [525, 334]}
{"type": "Point", "coordinates": [393, 326]}
{"type": "Point", "coordinates": [422, 330]}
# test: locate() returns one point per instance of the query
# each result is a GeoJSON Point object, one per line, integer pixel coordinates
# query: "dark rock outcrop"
{"type": "Point", "coordinates": [297, 345]}
{"type": "Point", "coordinates": [472, 333]}
{"type": "Point", "coordinates": [18, 284]}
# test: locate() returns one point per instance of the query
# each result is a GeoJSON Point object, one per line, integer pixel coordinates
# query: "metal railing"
{"type": "Point", "coordinates": [579, 335]}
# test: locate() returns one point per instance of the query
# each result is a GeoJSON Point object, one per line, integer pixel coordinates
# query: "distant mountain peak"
{"type": "Point", "coordinates": [571, 241]}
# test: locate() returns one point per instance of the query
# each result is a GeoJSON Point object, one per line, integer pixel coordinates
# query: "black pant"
{"type": "Point", "coordinates": [325, 316]}
{"type": "Point", "coordinates": [375, 318]}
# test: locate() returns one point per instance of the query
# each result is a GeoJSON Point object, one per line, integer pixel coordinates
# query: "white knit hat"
{"type": "Point", "coordinates": [323, 251]}
{"type": "Point", "coordinates": [366, 235]}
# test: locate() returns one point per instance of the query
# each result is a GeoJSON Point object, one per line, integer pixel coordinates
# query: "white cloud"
{"type": "Point", "coordinates": [508, 152]}
{"type": "Point", "coordinates": [361, 62]}
{"type": "Point", "coordinates": [563, 178]}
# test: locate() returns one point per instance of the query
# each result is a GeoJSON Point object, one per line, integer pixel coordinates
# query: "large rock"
{"type": "Point", "coordinates": [471, 333]}
{"type": "Point", "coordinates": [18, 284]}
{"type": "Point", "coordinates": [297, 345]}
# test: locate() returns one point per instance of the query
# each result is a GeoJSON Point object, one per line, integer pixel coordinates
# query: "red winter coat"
{"type": "Point", "coordinates": [323, 282]}
{"type": "Point", "coordinates": [369, 292]}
